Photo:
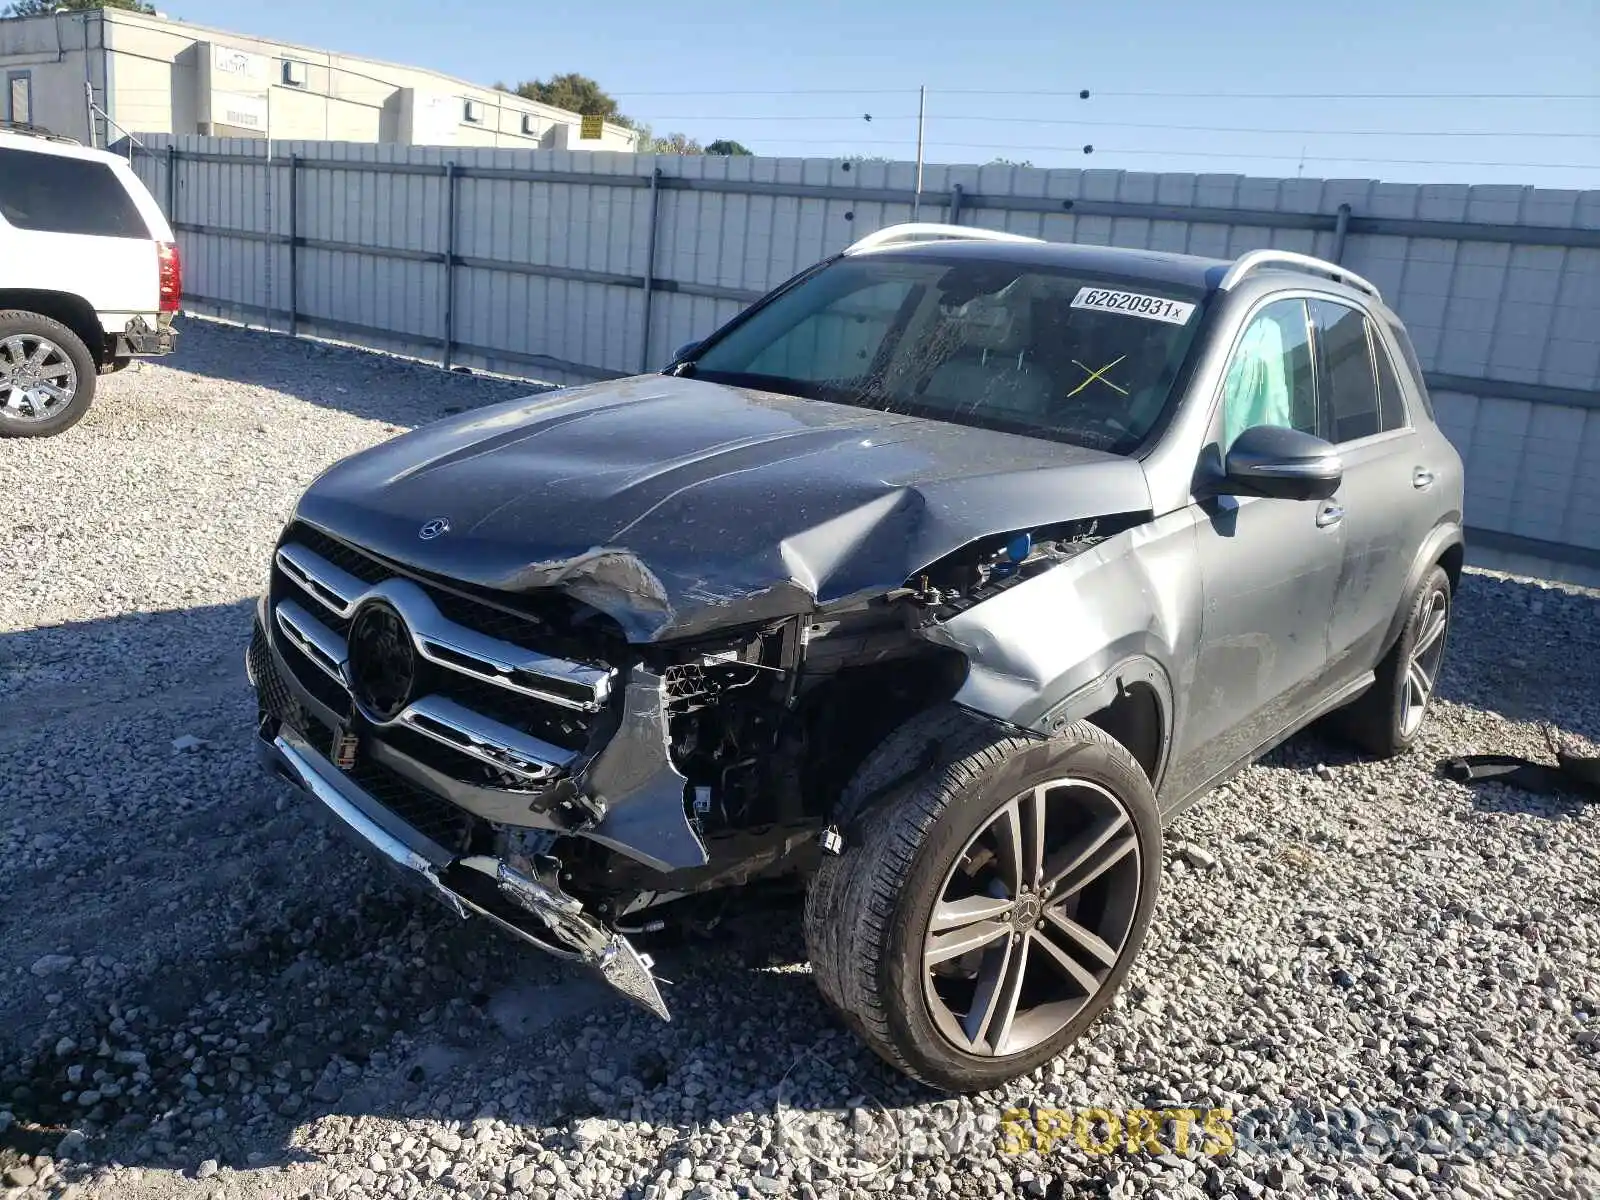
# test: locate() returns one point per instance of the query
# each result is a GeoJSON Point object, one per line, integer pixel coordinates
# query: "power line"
{"type": "Point", "coordinates": [995, 148]}
{"type": "Point", "coordinates": [1128, 95]}
{"type": "Point", "coordinates": [1529, 133]}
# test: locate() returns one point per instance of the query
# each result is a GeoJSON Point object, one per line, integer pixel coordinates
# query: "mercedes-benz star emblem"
{"type": "Point", "coordinates": [434, 528]}
{"type": "Point", "coordinates": [383, 661]}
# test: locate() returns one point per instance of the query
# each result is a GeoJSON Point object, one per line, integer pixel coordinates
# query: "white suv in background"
{"type": "Point", "coordinates": [89, 277]}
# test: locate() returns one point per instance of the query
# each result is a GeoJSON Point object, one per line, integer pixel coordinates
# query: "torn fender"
{"type": "Point", "coordinates": [1036, 645]}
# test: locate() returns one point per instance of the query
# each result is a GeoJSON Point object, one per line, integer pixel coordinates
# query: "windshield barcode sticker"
{"type": "Point", "coordinates": [1153, 308]}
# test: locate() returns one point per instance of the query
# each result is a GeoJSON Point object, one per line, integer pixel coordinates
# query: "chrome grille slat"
{"type": "Point", "coordinates": [336, 589]}
{"type": "Point", "coordinates": [444, 642]}
{"type": "Point", "coordinates": [321, 646]}
{"type": "Point", "coordinates": [484, 739]}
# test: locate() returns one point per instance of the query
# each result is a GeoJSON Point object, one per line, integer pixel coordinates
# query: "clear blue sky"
{"type": "Point", "coordinates": [827, 63]}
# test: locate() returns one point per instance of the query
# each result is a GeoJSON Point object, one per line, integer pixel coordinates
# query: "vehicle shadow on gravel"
{"type": "Point", "coordinates": [194, 967]}
{"type": "Point", "coordinates": [394, 390]}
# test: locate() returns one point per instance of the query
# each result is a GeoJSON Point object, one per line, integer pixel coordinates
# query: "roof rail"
{"type": "Point", "coordinates": [900, 235]}
{"type": "Point", "coordinates": [39, 131]}
{"type": "Point", "coordinates": [1256, 259]}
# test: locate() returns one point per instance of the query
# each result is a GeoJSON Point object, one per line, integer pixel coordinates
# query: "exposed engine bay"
{"type": "Point", "coordinates": [767, 726]}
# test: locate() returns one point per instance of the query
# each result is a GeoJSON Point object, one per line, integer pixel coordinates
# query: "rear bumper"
{"type": "Point", "coordinates": [140, 339]}
{"type": "Point", "coordinates": [470, 885]}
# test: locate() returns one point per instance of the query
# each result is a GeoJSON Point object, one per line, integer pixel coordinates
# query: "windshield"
{"type": "Point", "coordinates": [1018, 347]}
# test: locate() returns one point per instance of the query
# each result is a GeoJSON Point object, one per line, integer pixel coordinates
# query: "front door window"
{"type": "Point", "coordinates": [1269, 381]}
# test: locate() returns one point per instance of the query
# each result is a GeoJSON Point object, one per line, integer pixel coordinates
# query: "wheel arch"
{"type": "Point", "coordinates": [1132, 701]}
{"type": "Point", "coordinates": [73, 311]}
{"type": "Point", "coordinates": [1445, 546]}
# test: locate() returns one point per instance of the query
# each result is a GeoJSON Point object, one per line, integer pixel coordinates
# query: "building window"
{"type": "Point", "coordinates": [294, 73]}
{"type": "Point", "coordinates": [530, 125]}
{"type": "Point", "coordinates": [17, 103]}
{"type": "Point", "coordinates": [472, 112]}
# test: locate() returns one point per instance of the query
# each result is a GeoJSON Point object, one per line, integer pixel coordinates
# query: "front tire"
{"type": "Point", "coordinates": [47, 376]}
{"type": "Point", "coordinates": [990, 898]}
{"type": "Point", "coordinates": [1387, 718]}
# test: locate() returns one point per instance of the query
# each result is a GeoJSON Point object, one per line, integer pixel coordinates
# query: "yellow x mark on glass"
{"type": "Point", "coordinates": [1094, 375]}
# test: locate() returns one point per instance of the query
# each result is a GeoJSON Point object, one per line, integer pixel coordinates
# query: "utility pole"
{"type": "Point", "coordinates": [922, 117]}
{"type": "Point", "coordinates": [88, 103]}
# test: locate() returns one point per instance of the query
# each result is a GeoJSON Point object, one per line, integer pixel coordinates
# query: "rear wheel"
{"type": "Point", "coordinates": [47, 376]}
{"type": "Point", "coordinates": [986, 908]}
{"type": "Point", "coordinates": [1387, 718]}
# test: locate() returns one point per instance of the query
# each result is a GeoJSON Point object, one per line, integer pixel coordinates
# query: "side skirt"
{"type": "Point", "coordinates": [1332, 700]}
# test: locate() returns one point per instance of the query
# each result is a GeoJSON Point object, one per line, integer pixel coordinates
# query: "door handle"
{"type": "Point", "coordinates": [1421, 479]}
{"type": "Point", "coordinates": [1329, 514]}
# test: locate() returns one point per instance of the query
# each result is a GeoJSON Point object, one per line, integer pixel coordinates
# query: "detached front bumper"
{"type": "Point", "coordinates": [538, 913]}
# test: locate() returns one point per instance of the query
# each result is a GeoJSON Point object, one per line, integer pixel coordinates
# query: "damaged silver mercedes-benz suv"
{"type": "Point", "coordinates": [938, 580]}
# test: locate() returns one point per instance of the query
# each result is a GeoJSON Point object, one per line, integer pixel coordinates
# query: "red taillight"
{"type": "Point", "coordinates": [171, 274]}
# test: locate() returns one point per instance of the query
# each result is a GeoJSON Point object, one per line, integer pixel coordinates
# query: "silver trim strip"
{"type": "Point", "coordinates": [436, 717]}
{"type": "Point", "coordinates": [443, 641]}
{"type": "Point", "coordinates": [1255, 259]}
{"type": "Point", "coordinates": [483, 738]}
{"type": "Point", "coordinates": [900, 235]}
{"type": "Point", "coordinates": [336, 589]}
{"type": "Point", "coordinates": [312, 638]}
{"type": "Point", "coordinates": [391, 847]}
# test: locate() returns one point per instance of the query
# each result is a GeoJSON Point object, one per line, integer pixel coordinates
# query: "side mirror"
{"type": "Point", "coordinates": [1267, 460]}
{"type": "Point", "coordinates": [684, 351]}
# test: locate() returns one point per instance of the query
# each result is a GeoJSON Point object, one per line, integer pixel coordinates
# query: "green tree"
{"type": "Point", "coordinates": [724, 146]}
{"type": "Point", "coordinates": [1010, 162]}
{"type": "Point", "coordinates": [43, 8]}
{"type": "Point", "coordinates": [573, 92]}
{"type": "Point", "coordinates": [674, 143]}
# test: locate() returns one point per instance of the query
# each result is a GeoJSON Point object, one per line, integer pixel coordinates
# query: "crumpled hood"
{"type": "Point", "coordinates": [679, 506]}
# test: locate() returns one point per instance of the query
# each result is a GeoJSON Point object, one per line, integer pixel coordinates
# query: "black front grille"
{"type": "Point", "coordinates": [545, 621]}
{"type": "Point", "coordinates": [433, 817]}
{"type": "Point", "coordinates": [347, 558]}
{"type": "Point", "coordinates": [272, 693]}
{"type": "Point", "coordinates": [562, 727]}
{"type": "Point", "coordinates": [313, 679]}
{"type": "Point", "coordinates": [552, 625]}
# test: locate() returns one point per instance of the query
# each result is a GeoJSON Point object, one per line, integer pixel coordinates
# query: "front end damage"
{"type": "Point", "coordinates": [534, 757]}
{"type": "Point", "coordinates": [534, 910]}
{"type": "Point", "coordinates": [425, 721]}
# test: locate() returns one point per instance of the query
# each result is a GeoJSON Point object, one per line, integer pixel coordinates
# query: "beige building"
{"type": "Point", "coordinates": [152, 74]}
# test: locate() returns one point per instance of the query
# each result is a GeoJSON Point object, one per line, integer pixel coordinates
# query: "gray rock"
{"type": "Point", "coordinates": [1199, 857]}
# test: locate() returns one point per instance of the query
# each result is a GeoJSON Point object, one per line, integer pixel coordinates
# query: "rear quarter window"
{"type": "Point", "coordinates": [1408, 352]}
{"type": "Point", "coordinates": [47, 193]}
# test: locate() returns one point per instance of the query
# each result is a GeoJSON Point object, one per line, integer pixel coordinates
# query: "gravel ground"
{"type": "Point", "coordinates": [1391, 981]}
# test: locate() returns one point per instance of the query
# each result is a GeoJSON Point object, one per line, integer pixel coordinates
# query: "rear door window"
{"type": "Point", "coordinates": [48, 193]}
{"type": "Point", "coordinates": [1349, 389]}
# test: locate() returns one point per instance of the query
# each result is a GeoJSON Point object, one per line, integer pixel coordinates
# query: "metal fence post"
{"type": "Point", "coordinates": [1341, 229]}
{"type": "Point", "coordinates": [956, 192]}
{"type": "Point", "coordinates": [449, 264]}
{"type": "Point", "coordinates": [650, 266]}
{"type": "Point", "coordinates": [294, 245]}
{"type": "Point", "coordinates": [172, 185]}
